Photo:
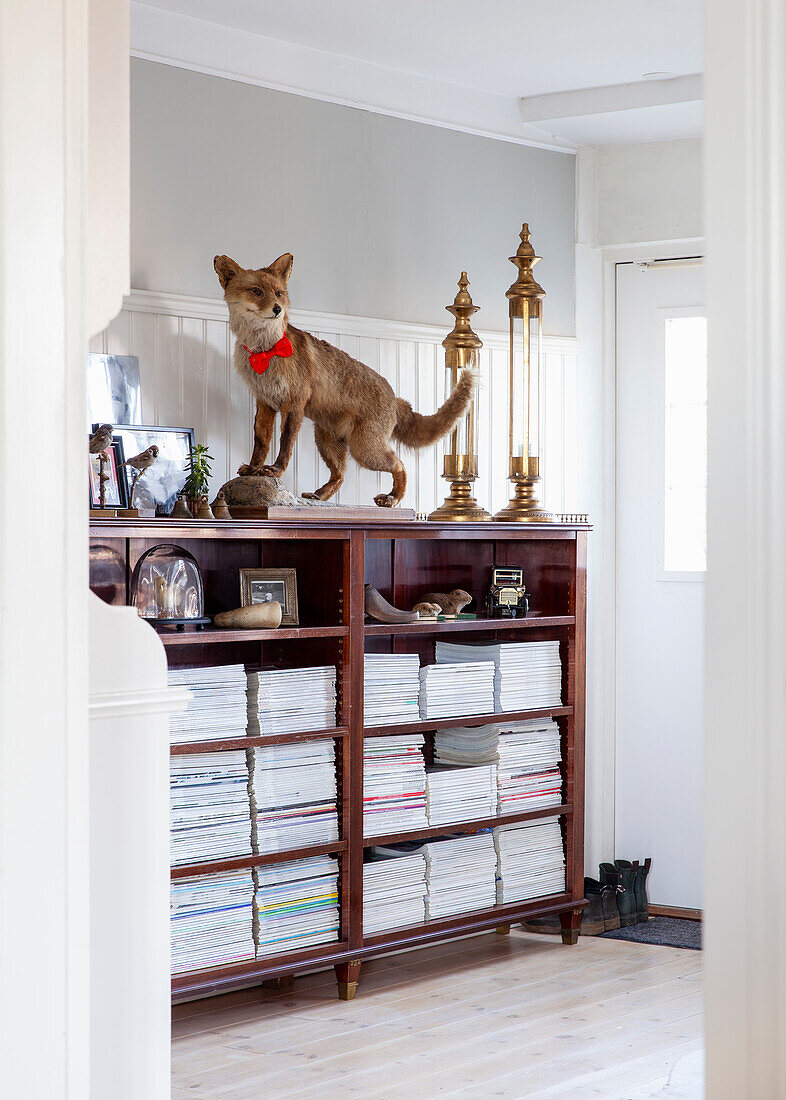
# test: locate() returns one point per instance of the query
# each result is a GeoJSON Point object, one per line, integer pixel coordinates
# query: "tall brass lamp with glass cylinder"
{"type": "Point", "coordinates": [460, 460]}
{"type": "Point", "coordinates": [525, 310]}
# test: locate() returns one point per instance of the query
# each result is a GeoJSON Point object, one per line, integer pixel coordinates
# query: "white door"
{"type": "Point", "coordinates": [661, 558]}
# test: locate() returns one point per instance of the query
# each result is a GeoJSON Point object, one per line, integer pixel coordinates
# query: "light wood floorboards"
{"type": "Point", "coordinates": [516, 1016]}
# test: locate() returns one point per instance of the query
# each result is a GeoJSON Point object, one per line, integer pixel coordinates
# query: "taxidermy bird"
{"type": "Point", "coordinates": [141, 463]}
{"type": "Point", "coordinates": [144, 460]}
{"type": "Point", "coordinates": [101, 438]}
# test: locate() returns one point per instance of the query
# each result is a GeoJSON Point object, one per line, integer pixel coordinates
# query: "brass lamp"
{"type": "Point", "coordinates": [460, 459]}
{"type": "Point", "coordinates": [525, 310]}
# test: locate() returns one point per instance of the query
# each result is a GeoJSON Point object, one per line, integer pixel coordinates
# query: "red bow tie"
{"type": "Point", "coordinates": [260, 360]}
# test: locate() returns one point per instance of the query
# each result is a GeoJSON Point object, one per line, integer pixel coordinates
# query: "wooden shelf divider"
{"type": "Point", "coordinates": [239, 863]}
{"type": "Point", "coordinates": [449, 626]}
{"type": "Point", "coordinates": [468, 826]}
{"type": "Point", "coordinates": [428, 724]}
{"type": "Point", "coordinates": [187, 748]}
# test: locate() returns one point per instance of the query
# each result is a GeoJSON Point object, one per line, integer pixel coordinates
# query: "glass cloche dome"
{"type": "Point", "coordinates": [166, 587]}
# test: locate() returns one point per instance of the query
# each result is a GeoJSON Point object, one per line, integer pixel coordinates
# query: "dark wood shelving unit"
{"type": "Point", "coordinates": [334, 558]}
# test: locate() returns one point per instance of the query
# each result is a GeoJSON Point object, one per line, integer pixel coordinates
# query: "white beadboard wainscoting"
{"type": "Point", "coordinates": [185, 348]}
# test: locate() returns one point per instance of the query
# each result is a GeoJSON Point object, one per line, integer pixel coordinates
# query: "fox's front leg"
{"type": "Point", "coordinates": [291, 419]}
{"type": "Point", "coordinates": [263, 433]}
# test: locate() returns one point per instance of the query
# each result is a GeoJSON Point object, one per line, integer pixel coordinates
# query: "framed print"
{"type": "Point", "coordinates": [114, 392]}
{"type": "Point", "coordinates": [157, 487]}
{"type": "Point", "coordinates": [262, 585]}
{"type": "Point", "coordinates": [116, 492]}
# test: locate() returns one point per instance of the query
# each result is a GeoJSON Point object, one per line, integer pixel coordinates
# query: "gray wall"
{"type": "Point", "coordinates": [380, 214]}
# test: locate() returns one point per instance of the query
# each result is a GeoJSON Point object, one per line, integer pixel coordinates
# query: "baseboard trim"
{"type": "Point", "coordinates": [675, 911]}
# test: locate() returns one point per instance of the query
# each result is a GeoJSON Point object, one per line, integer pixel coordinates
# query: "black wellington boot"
{"type": "Point", "coordinates": [640, 890]}
{"type": "Point", "coordinates": [626, 900]}
{"type": "Point", "coordinates": [592, 921]}
{"type": "Point", "coordinates": [610, 887]}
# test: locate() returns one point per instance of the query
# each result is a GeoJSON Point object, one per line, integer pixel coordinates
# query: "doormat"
{"type": "Point", "coordinates": [664, 931]}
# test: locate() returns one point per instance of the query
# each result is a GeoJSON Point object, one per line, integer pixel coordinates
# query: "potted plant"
{"type": "Point", "coordinates": [199, 474]}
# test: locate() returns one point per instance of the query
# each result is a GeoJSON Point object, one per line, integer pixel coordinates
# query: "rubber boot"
{"type": "Point", "coordinates": [640, 890]}
{"type": "Point", "coordinates": [610, 887]}
{"type": "Point", "coordinates": [592, 920]}
{"type": "Point", "coordinates": [626, 900]}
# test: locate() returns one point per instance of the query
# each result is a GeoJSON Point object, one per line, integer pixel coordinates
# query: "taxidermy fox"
{"type": "Point", "coordinates": [353, 408]}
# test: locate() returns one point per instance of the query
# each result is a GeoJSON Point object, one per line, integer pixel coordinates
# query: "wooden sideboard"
{"type": "Point", "coordinates": [334, 559]}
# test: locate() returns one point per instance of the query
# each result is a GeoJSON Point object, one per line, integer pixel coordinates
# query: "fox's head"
{"type": "Point", "coordinates": [257, 299]}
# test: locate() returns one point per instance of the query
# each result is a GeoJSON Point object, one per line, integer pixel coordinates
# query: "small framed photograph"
{"type": "Point", "coordinates": [115, 491]}
{"type": "Point", "coordinates": [159, 486]}
{"type": "Point", "coordinates": [263, 585]}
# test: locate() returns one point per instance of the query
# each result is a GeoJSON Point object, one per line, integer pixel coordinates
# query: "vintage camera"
{"type": "Point", "coordinates": [507, 598]}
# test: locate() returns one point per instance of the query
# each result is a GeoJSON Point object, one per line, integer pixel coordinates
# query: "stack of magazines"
{"type": "Point", "coordinates": [211, 920]}
{"type": "Point", "coordinates": [293, 789]}
{"type": "Point", "coordinates": [531, 861]}
{"type": "Point", "coordinates": [529, 777]}
{"type": "Point", "coordinates": [461, 794]}
{"type": "Point", "coordinates": [218, 704]}
{"type": "Point", "coordinates": [394, 784]}
{"type": "Point", "coordinates": [394, 890]}
{"type": "Point", "coordinates": [456, 690]}
{"type": "Point", "coordinates": [297, 905]}
{"type": "Point", "coordinates": [461, 875]}
{"type": "Point", "coordinates": [527, 755]}
{"type": "Point", "coordinates": [528, 674]}
{"type": "Point", "coordinates": [390, 688]}
{"type": "Point", "coordinates": [291, 700]}
{"type": "Point", "coordinates": [210, 812]}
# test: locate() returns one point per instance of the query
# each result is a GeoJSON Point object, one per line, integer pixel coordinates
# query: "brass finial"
{"type": "Point", "coordinates": [525, 259]}
{"type": "Point", "coordinates": [462, 309]}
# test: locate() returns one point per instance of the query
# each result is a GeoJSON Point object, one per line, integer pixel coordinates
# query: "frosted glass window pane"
{"type": "Point", "coordinates": [685, 495]}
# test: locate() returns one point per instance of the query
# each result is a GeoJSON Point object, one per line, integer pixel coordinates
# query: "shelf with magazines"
{"type": "Point", "coordinates": [270, 762]}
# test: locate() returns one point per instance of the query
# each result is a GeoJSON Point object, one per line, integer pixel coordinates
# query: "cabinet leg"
{"type": "Point", "coordinates": [570, 922]}
{"type": "Point", "coordinates": [284, 983]}
{"type": "Point", "coordinates": [347, 975]}
{"type": "Point", "coordinates": [502, 929]}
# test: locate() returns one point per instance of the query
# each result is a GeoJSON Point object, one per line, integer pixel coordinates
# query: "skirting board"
{"type": "Point", "coordinates": [675, 911]}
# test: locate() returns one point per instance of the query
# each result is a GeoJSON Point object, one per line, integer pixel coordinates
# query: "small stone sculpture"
{"type": "Point", "coordinates": [451, 603]}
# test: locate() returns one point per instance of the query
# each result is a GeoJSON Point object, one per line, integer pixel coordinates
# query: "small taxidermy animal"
{"type": "Point", "coordinates": [101, 438]}
{"type": "Point", "coordinates": [144, 460]}
{"type": "Point", "coordinates": [354, 409]}
{"type": "Point", "coordinates": [451, 603]}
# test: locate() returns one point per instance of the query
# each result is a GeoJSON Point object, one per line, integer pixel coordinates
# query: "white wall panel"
{"type": "Point", "coordinates": [185, 348]}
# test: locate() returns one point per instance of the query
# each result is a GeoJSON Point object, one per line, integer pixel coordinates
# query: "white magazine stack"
{"type": "Point", "coordinates": [390, 688]}
{"type": "Point", "coordinates": [461, 794]}
{"type": "Point", "coordinates": [461, 875]}
{"type": "Point", "coordinates": [211, 920]}
{"type": "Point", "coordinates": [217, 710]}
{"type": "Point", "coordinates": [531, 861]}
{"type": "Point", "coordinates": [394, 892]}
{"type": "Point", "coordinates": [296, 905]}
{"type": "Point", "coordinates": [456, 690]}
{"type": "Point", "coordinates": [394, 784]}
{"type": "Point", "coordinates": [527, 755]}
{"type": "Point", "coordinates": [528, 674]}
{"type": "Point", "coordinates": [291, 700]}
{"type": "Point", "coordinates": [294, 795]}
{"type": "Point", "coordinates": [210, 812]}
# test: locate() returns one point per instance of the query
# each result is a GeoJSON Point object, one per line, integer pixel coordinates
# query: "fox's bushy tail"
{"type": "Point", "coordinates": [414, 430]}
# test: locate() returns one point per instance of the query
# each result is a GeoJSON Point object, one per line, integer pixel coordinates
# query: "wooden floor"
{"type": "Point", "coordinates": [487, 1017]}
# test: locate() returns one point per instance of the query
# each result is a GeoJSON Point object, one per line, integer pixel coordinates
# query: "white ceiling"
{"type": "Point", "coordinates": [499, 49]}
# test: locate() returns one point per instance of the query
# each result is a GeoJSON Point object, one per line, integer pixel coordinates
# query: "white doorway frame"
{"type": "Point", "coordinates": [606, 687]}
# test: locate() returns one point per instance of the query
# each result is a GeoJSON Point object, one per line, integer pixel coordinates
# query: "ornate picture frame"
{"type": "Point", "coordinates": [261, 585]}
